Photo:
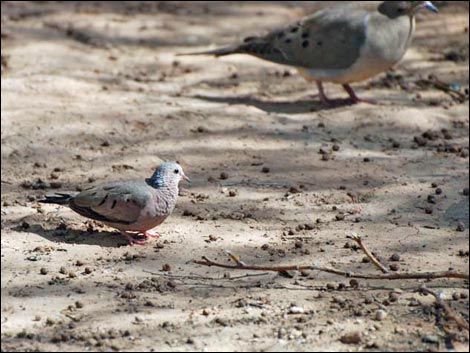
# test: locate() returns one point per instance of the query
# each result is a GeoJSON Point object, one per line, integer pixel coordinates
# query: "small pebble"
{"type": "Point", "coordinates": [351, 338]}
{"type": "Point", "coordinates": [394, 296]}
{"type": "Point", "coordinates": [224, 176]}
{"type": "Point", "coordinates": [380, 315]}
{"type": "Point", "coordinates": [296, 310]}
{"type": "Point", "coordinates": [430, 339]}
{"type": "Point", "coordinates": [354, 283]}
{"type": "Point", "coordinates": [432, 199]}
{"type": "Point", "coordinates": [265, 170]}
{"type": "Point", "coordinates": [309, 226]}
{"type": "Point", "coordinates": [330, 286]}
{"type": "Point", "coordinates": [340, 217]}
{"type": "Point", "coordinates": [395, 257]}
{"type": "Point", "coordinates": [43, 271]}
{"type": "Point", "coordinates": [394, 267]}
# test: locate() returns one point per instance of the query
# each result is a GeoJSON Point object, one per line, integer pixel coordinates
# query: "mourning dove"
{"type": "Point", "coordinates": [129, 206]}
{"type": "Point", "coordinates": [340, 45]}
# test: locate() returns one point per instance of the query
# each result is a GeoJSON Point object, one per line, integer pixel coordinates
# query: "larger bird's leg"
{"type": "Point", "coordinates": [354, 98]}
{"type": "Point", "coordinates": [321, 92]}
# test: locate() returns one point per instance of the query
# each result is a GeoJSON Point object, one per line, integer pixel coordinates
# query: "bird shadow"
{"type": "Point", "coordinates": [75, 236]}
{"type": "Point", "coordinates": [290, 107]}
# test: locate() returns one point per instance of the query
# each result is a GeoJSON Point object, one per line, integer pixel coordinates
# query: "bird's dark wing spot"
{"type": "Point", "coordinates": [305, 43]}
{"type": "Point", "coordinates": [104, 200]}
{"type": "Point", "coordinates": [108, 188]}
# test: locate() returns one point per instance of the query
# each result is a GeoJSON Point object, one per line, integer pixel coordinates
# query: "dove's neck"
{"type": "Point", "coordinates": [157, 180]}
{"type": "Point", "coordinates": [165, 187]}
{"type": "Point", "coordinates": [166, 197]}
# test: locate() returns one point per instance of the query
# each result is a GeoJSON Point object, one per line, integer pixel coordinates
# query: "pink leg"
{"type": "Point", "coordinates": [323, 97]}
{"type": "Point", "coordinates": [132, 240]}
{"type": "Point", "coordinates": [354, 98]}
{"type": "Point", "coordinates": [151, 235]}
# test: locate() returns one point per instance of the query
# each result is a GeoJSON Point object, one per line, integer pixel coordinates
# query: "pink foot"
{"type": "Point", "coordinates": [354, 99]}
{"type": "Point", "coordinates": [152, 235]}
{"type": "Point", "coordinates": [133, 241]}
{"type": "Point", "coordinates": [364, 100]}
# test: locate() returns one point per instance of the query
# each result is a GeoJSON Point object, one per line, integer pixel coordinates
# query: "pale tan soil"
{"type": "Point", "coordinates": [96, 91]}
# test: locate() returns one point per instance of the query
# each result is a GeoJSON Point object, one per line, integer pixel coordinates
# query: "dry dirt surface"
{"type": "Point", "coordinates": [93, 92]}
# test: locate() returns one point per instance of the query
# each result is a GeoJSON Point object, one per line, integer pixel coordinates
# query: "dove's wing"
{"type": "Point", "coordinates": [119, 202]}
{"type": "Point", "coordinates": [327, 40]}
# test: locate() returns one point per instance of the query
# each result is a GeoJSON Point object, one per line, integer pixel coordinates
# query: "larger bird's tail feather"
{"type": "Point", "coordinates": [215, 52]}
{"type": "Point", "coordinates": [58, 199]}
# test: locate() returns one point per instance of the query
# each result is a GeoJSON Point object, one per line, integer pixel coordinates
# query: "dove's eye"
{"type": "Point", "coordinates": [176, 171]}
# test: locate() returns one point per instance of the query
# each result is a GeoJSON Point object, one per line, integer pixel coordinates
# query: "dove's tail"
{"type": "Point", "coordinates": [216, 52]}
{"type": "Point", "coordinates": [58, 199]}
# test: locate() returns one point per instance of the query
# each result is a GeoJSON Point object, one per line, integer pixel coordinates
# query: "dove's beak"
{"type": "Point", "coordinates": [430, 6]}
{"type": "Point", "coordinates": [186, 179]}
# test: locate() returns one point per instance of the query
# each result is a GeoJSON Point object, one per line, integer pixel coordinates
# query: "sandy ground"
{"type": "Point", "coordinates": [93, 93]}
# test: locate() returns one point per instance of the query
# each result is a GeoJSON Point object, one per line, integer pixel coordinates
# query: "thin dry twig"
{"type": "Point", "coordinates": [290, 237]}
{"type": "Point", "coordinates": [451, 315]}
{"type": "Point", "coordinates": [390, 276]}
{"type": "Point", "coordinates": [445, 87]}
{"type": "Point", "coordinates": [196, 277]}
{"type": "Point", "coordinates": [235, 258]}
{"type": "Point", "coordinates": [256, 183]}
{"type": "Point", "coordinates": [356, 238]}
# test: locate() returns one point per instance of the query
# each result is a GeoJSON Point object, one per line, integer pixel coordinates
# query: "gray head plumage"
{"type": "Point", "coordinates": [168, 174]}
{"type": "Point", "coordinates": [395, 9]}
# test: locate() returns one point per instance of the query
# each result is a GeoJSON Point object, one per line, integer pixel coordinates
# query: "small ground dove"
{"type": "Point", "coordinates": [340, 45]}
{"type": "Point", "coordinates": [134, 206]}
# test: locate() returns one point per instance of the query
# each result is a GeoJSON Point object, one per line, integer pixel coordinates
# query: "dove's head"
{"type": "Point", "coordinates": [395, 9]}
{"type": "Point", "coordinates": [168, 174]}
